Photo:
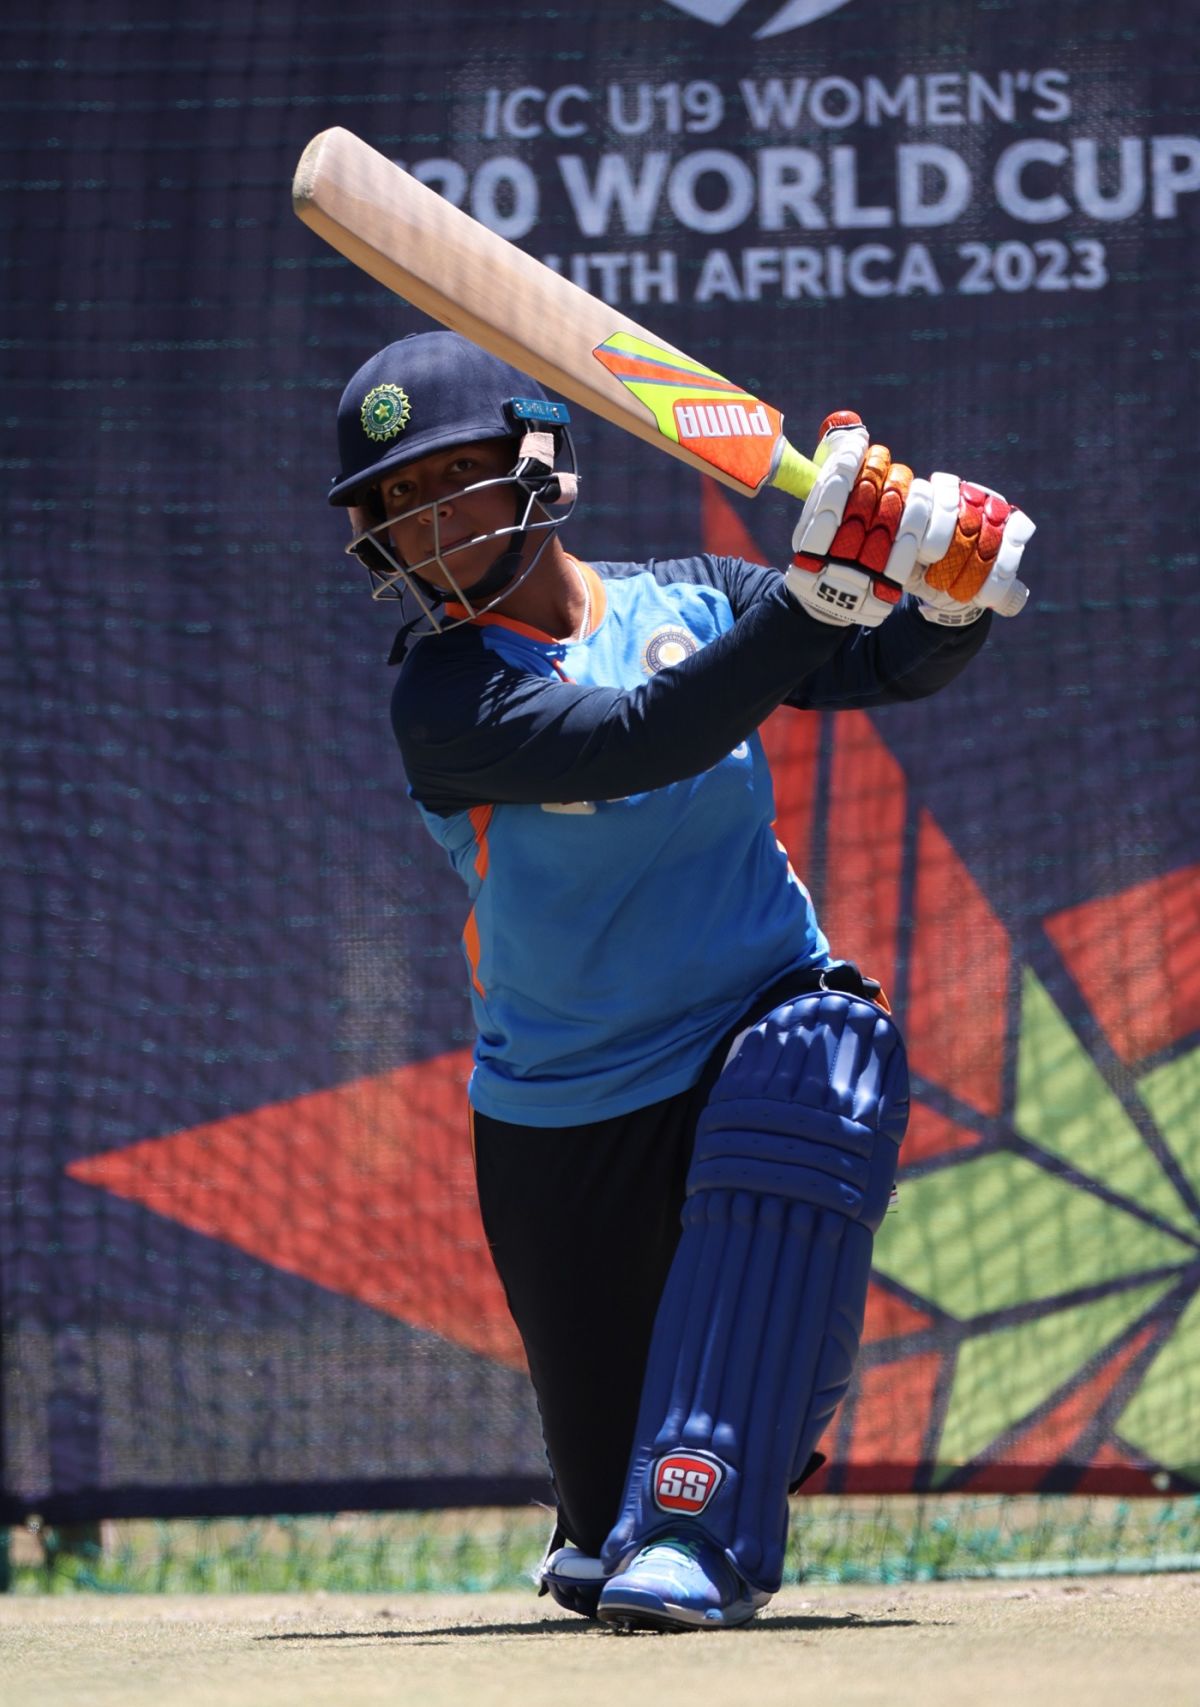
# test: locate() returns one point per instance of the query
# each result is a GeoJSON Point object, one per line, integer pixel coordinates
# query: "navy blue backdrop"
{"type": "Point", "coordinates": [975, 223]}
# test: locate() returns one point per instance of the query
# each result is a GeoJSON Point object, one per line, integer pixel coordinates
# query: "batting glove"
{"type": "Point", "coordinates": [848, 528]}
{"type": "Point", "coordinates": [957, 550]}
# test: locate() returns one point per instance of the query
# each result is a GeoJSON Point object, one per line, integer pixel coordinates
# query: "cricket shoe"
{"type": "Point", "coordinates": [678, 1583]}
{"type": "Point", "coordinates": [573, 1579]}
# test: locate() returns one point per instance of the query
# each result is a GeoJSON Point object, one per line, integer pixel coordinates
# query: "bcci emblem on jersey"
{"type": "Point", "coordinates": [667, 646]}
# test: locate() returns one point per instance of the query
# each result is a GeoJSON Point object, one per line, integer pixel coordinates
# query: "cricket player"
{"type": "Point", "coordinates": [686, 1110]}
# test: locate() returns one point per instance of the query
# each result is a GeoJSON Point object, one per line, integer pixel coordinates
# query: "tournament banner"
{"type": "Point", "coordinates": [241, 1267]}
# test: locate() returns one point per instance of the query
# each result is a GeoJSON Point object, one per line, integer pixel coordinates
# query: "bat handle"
{"type": "Point", "coordinates": [1008, 602]}
{"type": "Point", "coordinates": [790, 472]}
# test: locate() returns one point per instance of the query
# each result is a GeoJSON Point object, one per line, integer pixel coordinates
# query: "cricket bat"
{"type": "Point", "coordinates": [475, 282]}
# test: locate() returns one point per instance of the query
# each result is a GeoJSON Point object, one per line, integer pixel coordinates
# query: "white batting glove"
{"type": "Point", "coordinates": [957, 550]}
{"type": "Point", "coordinates": [847, 527]}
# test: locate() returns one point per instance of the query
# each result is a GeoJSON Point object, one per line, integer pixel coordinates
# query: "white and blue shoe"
{"type": "Point", "coordinates": [679, 1583]}
{"type": "Point", "coordinates": [571, 1578]}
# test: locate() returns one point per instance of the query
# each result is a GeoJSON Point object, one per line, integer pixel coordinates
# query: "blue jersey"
{"type": "Point", "coordinates": [608, 805]}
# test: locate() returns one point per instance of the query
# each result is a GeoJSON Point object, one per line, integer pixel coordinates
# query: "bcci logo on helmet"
{"type": "Point", "coordinates": [686, 1481]}
{"type": "Point", "coordinates": [791, 16]}
{"type": "Point", "coordinates": [385, 412]}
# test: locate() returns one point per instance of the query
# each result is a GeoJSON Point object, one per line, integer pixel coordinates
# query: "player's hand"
{"type": "Point", "coordinates": [848, 527]}
{"type": "Point", "coordinates": [957, 550]}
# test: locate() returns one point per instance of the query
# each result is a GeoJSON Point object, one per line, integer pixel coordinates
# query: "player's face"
{"type": "Point", "coordinates": [439, 505]}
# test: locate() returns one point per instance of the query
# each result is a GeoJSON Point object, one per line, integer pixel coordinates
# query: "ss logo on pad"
{"type": "Point", "coordinates": [686, 1481]}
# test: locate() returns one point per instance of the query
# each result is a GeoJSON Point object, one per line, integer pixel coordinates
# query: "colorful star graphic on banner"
{"type": "Point", "coordinates": [1035, 1315]}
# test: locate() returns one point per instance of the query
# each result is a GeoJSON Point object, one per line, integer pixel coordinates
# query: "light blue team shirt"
{"type": "Point", "coordinates": [628, 895]}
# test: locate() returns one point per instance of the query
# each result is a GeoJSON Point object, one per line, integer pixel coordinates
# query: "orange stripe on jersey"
{"type": "Point", "coordinates": [480, 821]}
{"type": "Point", "coordinates": [471, 944]}
{"type": "Point", "coordinates": [495, 619]}
{"type": "Point", "coordinates": [481, 818]}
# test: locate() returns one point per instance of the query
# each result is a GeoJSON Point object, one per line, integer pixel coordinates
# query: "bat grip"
{"type": "Point", "coordinates": [792, 473]}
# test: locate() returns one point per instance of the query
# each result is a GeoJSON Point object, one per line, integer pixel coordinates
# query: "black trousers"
{"type": "Point", "coordinates": [583, 1222]}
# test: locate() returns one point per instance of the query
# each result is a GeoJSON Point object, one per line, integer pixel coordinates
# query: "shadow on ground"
{"type": "Point", "coordinates": [558, 1627]}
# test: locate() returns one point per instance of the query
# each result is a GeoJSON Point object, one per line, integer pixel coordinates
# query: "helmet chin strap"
{"type": "Point", "coordinates": [483, 596]}
{"type": "Point", "coordinates": [505, 569]}
{"type": "Point", "coordinates": [538, 488]}
{"type": "Point", "coordinates": [537, 480]}
{"type": "Point", "coordinates": [493, 582]}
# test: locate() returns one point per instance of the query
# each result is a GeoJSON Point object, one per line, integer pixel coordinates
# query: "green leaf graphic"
{"type": "Point", "coordinates": [998, 1230]}
{"type": "Point", "coordinates": [1004, 1375]}
{"type": "Point", "coordinates": [1065, 1107]}
{"type": "Point", "coordinates": [1172, 1094]}
{"type": "Point", "coordinates": [1163, 1417]}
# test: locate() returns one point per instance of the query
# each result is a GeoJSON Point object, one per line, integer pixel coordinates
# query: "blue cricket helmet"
{"type": "Point", "coordinates": [422, 394]}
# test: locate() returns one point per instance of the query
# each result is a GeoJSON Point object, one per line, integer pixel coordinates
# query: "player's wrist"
{"type": "Point", "coordinates": [950, 615]}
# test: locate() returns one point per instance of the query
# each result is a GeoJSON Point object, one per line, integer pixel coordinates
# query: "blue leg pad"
{"type": "Point", "coordinates": [759, 1324]}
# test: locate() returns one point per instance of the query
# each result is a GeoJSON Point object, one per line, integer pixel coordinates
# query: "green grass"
{"type": "Point", "coordinates": [901, 1539]}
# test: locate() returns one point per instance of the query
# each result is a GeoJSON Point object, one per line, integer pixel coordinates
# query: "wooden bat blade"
{"type": "Point", "coordinates": [474, 281]}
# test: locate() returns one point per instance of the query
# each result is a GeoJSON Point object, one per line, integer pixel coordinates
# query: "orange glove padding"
{"type": "Point", "coordinates": [848, 527]}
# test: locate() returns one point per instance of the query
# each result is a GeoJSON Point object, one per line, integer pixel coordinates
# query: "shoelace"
{"type": "Point", "coordinates": [689, 1549]}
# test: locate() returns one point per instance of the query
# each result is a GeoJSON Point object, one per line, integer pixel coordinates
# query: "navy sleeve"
{"type": "Point", "coordinates": [742, 583]}
{"type": "Point", "coordinates": [474, 730]}
{"type": "Point", "coordinates": [905, 658]}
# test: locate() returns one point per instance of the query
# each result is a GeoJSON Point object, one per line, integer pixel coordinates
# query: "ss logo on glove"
{"type": "Point", "coordinates": [870, 532]}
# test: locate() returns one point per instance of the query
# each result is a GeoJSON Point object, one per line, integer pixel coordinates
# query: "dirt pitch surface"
{"type": "Point", "coordinates": [1102, 1641]}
